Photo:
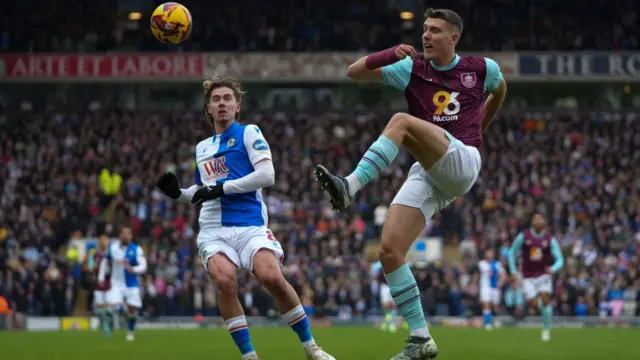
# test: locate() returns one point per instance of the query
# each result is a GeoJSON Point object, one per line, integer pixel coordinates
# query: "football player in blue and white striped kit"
{"type": "Point", "coordinates": [233, 166]}
{"type": "Point", "coordinates": [126, 261]}
{"type": "Point", "coordinates": [492, 277]}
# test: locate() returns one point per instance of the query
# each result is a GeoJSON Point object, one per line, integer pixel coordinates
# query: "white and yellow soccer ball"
{"type": "Point", "coordinates": [171, 23]}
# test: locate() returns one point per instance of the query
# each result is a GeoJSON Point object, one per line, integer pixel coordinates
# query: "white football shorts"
{"type": "Point", "coordinates": [489, 295]}
{"type": "Point", "coordinates": [385, 295]}
{"type": "Point", "coordinates": [119, 295]}
{"type": "Point", "coordinates": [452, 176]}
{"type": "Point", "coordinates": [99, 298]}
{"type": "Point", "coordinates": [538, 285]}
{"type": "Point", "coordinates": [239, 244]}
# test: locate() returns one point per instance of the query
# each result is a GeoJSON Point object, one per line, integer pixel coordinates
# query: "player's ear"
{"type": "Point", "coordinates": [455, 36]}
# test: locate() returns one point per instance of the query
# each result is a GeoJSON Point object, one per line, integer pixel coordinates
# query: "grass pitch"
{"type": "Point", "coordinates": [345, 343]}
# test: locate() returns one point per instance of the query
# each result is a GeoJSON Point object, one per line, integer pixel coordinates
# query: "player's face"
{"type": "Point", "coordinates": [103, 242]}
{"type": "Point", "coordinates": [223, 105]}
{"type": "Point", "coordinates": [126, 235]}
{"type": "Point", "coordinates": [490, 255]}
{"type": "Point", "coordinates": [438, 38]}
{"type": "Point", "coordinates": [538, 222]}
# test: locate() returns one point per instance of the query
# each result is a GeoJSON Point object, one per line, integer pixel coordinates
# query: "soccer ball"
{"type": "Point", "coordinates": [171, 23]}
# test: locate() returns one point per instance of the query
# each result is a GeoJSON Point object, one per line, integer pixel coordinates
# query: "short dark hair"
{"type": "Point", "coordinates": [447, 15]}
{"type": "Point", "coordinates": [228, 82]}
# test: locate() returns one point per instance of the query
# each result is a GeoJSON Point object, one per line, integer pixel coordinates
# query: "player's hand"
{"type": "Point", "coordinates": [514, 278]}
{"type": "Point", "coordinates": [548, 270]}
{"type": "Point", "coordinates": [130, 269]}
{"type": "Point", "coordinates": [402, 51]}
{"type": "Point", "coordinates": [207, 193]}
{"type": "Point", "coordinates": [169, 185]}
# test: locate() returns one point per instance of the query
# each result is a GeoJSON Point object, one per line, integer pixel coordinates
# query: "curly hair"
{"type": "Point", "coordinates": [215, 83]}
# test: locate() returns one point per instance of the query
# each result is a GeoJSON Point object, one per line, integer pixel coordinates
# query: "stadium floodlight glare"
{"type": "Point", "coordinates": [406, 15]}
{"type": "Point", "coordinates": [135, 16]}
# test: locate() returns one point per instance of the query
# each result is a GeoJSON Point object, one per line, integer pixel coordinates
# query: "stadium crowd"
{"type": "Point", "coordinates": [89, 173]}
{"type": "Point", "coordinates": [288, 25]}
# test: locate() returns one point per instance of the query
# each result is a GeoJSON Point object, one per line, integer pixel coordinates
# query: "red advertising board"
{"type": "Point", "coordinates": [102, 67]}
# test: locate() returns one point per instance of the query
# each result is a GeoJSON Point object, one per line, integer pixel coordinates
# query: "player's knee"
{"type": "Point", "coordinates": [226, 284]}
{"type": "Point", "coordinates": [546, 300]}
{"type": "Point", "coordinates": [399, 121]}
{"type": "Point", "coordinates": [267, 270]}
{"type": "Point", "coordinates": [272, 280]}
{"type": "Point", "coordinates": [223, 273]}
{"type": "Point", "coordinates": [389, 253]}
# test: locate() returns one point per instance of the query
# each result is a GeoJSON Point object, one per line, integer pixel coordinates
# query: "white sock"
{"type": "Point", "coordinates": [236, 323]}
{"type": "Point", "coordinates": [295, 315]}
{"type": "Point", "coordinates": [422, 332]}
{"type": "Point", "coordinates": [354, 184]}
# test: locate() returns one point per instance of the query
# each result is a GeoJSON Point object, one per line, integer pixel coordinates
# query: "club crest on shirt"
{"type": "Point", "coordinates": [231, 142]}
{"type": "Point", "coordinates": [468, 79]}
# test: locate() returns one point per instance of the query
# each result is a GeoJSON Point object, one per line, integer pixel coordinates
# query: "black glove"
{"type": "Point", "coordinates": [169, 185]}
{"type": "Point", "coordinates": [207, 193]}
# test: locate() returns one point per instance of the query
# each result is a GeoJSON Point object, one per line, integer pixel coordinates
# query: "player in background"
{"type": "Point", "coordinates": [390, 321]}
{"type": "Point", "coordinates": [233, 166]}
{"type": "Point", "coordinates": [492, 277]}
{"type": "Point", "coordinates": [126, 261]}
{"type": "Point", "coordinates": [92, 265]}
{"type": "Point", "coordinates": [538, 247]}
{"type": "Point", "coordinates": [386, 301]}
{"type": "Point", "coordinates": [448, 111]}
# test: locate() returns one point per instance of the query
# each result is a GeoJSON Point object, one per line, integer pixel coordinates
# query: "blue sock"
{"type": "Point", "coordinates": [406, 295]}
{"type": "Point", "coordinates": [239, 331]}
{"type": "Point", "coordinates": [299, 322]}
{"type": "Point", "coordinates": [131, 322]}
{"type": "Point", "coordinates": [488, 318]}
{"type": "Point", "coordinates": [379, 156]}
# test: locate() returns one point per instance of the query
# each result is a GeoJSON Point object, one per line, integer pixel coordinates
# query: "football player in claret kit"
{"type": "Point", "coordinates": [233, 166]}
{"type": "Point", "coordinates": [100, 306]}
{"type": "Point", "coordinates": [125, 261]}
{"type": "Point", "coordinates": [492, 277]}
{"type": "Point", "coordinates": [538, 247]}
{"type": "Point", "coordinates": [449, 109]}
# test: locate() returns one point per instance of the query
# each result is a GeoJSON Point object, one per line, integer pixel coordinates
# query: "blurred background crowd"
{"type": "Point", "coordinates": [62, 174]}
{"type": "Point", "coordinates": [72, 174]}
{"type": "Point", "coordinates": [293, 25]}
